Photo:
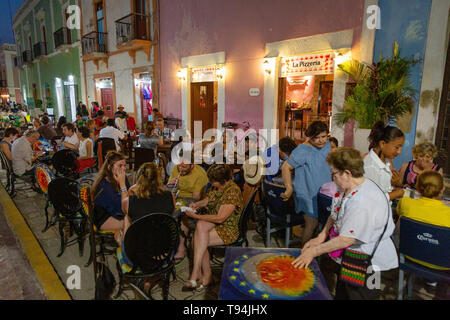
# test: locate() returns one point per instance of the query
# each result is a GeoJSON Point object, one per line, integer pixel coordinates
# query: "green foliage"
{"type": "Point", "coordinates": [383, 90]}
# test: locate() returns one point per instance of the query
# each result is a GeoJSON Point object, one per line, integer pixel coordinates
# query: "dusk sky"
{"type": "Point", "coordinates": [7, 10]}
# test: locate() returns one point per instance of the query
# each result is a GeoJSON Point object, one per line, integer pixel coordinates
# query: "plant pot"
{"type": "Point", "coordinates": [360, 141]}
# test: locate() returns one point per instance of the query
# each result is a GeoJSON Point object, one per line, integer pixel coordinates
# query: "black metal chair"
{"type": "Point", "coordinates": [108, 144]}
{"type": "Point", "coordinates": [11, 177]}
{"type": "Point", "coordinates": [64, 194]}
{"type": "Point", "coordinates": [44, 176]}
{"type": "Point", "coordinates": [150, 245]}
{"type": "Point", "coordinates": [282, 213]}
{"type": "Point", "coordinates": [141, 156]}
{"type": "Point", "coordinates": [65, 163]}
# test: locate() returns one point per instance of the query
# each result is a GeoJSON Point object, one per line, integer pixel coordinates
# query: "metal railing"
{"type": "Point", "coordinates": [40, 49]}
{"type": "Point", "coordinates": [134, 26]}
{"type": "Point", "coordinates": [18, 61]}
{"type": "Point", "coordinates": [95, 42]}
{"type": "Point", "coordinates": [27, 56]}
{"type": "Point", "coordinates": [3, 84]}
{"type": "Point", "coordinates": [62, 37]}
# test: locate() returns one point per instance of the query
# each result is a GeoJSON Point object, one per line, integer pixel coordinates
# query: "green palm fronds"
{"type": "Point", "coordinates": [383, 90]}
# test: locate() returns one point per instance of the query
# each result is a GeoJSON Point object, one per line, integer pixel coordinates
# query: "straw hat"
{"type": "Point", "coordinates": [254, 170]}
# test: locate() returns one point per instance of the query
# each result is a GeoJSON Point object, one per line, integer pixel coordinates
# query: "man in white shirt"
{"type": "Point", "coordinates": [121, 122]}
{"type": "Point", "coordinates": [23, 155]}
{"type": "Point", "coordinates": [111, 132]}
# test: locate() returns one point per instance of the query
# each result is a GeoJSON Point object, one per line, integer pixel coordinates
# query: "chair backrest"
{"type": "Point", "coordinates": [65, 162]}
{"type": "Point", "coordinates": [64, 194]}
{"type": "Point", "coordinates": [141, 156]}
{"type": "Point", "coordinates": [324, 204]}
{"type": "Point", "coordinates": [425, 242]}
{"type": "Point", "coordinates": [274, 202]}
{"type": "Point", "coordinates": [108, 144]}
{"type": "Point", "coordinates": [151, 242]}
{"type": "Point", "coordinates": [246, 214]}
{"type": "Point", "coordinates": [44, 175]}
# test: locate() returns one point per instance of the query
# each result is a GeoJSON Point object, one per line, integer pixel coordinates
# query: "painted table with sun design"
{"type": "Point", "coordinates": [267, 274]}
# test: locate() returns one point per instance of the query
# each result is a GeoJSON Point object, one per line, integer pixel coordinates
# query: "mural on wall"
{"type": "Point", "coordinates": [409, 28]}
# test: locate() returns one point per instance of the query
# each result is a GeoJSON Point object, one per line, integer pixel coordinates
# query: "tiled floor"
{"type": "Point", "coordinates": [31, 205]}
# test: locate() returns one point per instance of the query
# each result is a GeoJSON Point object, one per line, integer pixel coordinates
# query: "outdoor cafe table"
{"type": "Point", "coordinates": [267, 274]}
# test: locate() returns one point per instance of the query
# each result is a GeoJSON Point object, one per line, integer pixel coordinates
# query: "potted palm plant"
{"type": "Point", "coordinates": [382, 91]}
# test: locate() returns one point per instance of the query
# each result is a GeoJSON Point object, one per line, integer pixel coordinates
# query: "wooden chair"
{"type": "Point", "coordinates": [141, 156]}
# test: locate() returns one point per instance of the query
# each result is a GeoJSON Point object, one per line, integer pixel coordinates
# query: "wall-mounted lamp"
{"type": "Point", "coordinates": [342, 58]}
{"type": "Point", "coordinates": [220, 72]}
{"type": "Point", "coordinates": [267, 67]}
{"type": "Point", "coordinates": [181, 75]}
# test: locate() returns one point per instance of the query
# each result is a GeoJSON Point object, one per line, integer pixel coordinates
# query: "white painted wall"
{"type": "Point", "coordinates": [433, 71]}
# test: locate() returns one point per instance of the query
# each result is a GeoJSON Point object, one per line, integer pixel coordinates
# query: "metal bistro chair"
{"type": "Point", "coordinates": [427, 243]}
{"type": "Point", "coordinates": [44, 176]}
{"type": "Point", "coordinates": [280, 212]}
{"type": "Point", "coordinates": [324, 204]}
{"type": "Point", "coordinates": [141, 156]}
{"type": "Point", "coordinates": [102, 147]}
{"type": "Point", "coordinates": [96, 236]}
{"type": "Point", "coordinates": [64, 194]}
{"type": "Point", "coordinates": [243, 227]}
{"type": "Point", "coordinates": [65, 163]}
{"type": "Point", "coordinates": [150, 245]}
{"type": "Point", "coordinates": [11, 177]}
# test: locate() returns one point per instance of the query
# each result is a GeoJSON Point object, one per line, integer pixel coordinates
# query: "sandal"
{"type": "Point", "coordinates": [193, 286]}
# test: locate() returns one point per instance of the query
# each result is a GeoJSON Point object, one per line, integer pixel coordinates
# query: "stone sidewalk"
{"type": "Point", "coordinates": [17, 278]}
{"type": "Point", "coordinates": [32, 205]}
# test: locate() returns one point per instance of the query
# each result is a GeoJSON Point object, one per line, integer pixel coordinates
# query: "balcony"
{"type": "Point", "coordinates": [3, 84]}
{"type": "Point", "coordinates": [40, 50]}
{"type": "Point", "coordinates": [27, 57]}
{"type": "Point", "coordinates": [133, 34]}
{"type": "Point", "coordinates": [95, 47]}
{"type": "Point", "coordinates": [18, 61]}
{"type": "Point", "coordinates": [62, 37]}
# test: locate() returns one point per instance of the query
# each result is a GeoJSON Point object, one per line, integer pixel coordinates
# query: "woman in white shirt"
{"type": "Point", "coordinates": [359, 217]}
{"type": "Point", "coordinates": [386, 143]}
{"type": "Point", "coordinates": [85, 150]}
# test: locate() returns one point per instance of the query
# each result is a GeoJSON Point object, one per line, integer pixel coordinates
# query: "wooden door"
{"type": "Point", "coordinates": [202, 100]}
{"type": "Point", "coordinates": [443, 129]}
{"type": "Point", "coordinates": [140, 20]}
{"type": "Point", "coordinates": [107, 102]}
{"type": "Point", "coordinates": [44, 33]}
{"type": "Point", "coordinates": [282, 120]}
{"type": "Point", "coordinates": [325, 97]}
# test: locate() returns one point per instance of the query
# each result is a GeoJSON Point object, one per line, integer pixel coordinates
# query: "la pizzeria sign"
{"type": "Point", "coordinates": [313, 64]}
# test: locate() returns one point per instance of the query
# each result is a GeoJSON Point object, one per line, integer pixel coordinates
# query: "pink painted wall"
{"type": "Point", "coordinates": [242, 28]}
{"type": "Point", "coordinates": [300, 92]}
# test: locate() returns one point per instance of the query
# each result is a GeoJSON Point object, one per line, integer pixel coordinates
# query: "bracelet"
{"type": "Point", "coordinates": [124, 189]}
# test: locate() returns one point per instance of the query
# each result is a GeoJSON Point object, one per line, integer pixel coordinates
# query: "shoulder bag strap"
{"type": "Point", "coordinates": [385, 227]}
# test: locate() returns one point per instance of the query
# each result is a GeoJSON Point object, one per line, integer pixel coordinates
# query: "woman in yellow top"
{"type": "Point", "coordinates": [220, 224]}
{"type": "Point", "coordinates": [428, 209]}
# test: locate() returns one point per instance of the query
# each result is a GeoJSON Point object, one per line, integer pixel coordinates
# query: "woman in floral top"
{"type": "Point", "coordinates": [220, 224]}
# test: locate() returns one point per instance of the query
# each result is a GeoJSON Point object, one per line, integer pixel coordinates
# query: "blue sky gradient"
{"type": "Point", "coordinates": [6, 15]}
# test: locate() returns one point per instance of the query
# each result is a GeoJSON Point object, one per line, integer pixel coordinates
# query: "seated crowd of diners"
{"type": "Point", "coordinates": [363, 188]}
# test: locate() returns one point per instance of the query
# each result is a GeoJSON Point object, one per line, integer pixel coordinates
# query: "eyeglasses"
{"type": "Point", "coordinates": [333, 174]}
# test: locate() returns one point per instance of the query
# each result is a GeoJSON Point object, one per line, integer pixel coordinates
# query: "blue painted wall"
{"type": "Point", "coordinates": [405, 21]}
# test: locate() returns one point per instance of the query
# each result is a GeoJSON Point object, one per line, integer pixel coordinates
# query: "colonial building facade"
{"type": "Point", "coordinates": [119, 58]}
{"type": "Point", "coordinates": [9, 77]}
{"type": "Point", "coordinates": [48, 56]}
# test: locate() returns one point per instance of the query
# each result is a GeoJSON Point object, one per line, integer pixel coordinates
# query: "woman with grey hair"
{"type": "Point", "coordinates": [361, 221]}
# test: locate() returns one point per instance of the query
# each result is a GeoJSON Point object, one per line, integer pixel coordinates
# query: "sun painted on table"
{"type": "Point", "coordinates": [278, 273]}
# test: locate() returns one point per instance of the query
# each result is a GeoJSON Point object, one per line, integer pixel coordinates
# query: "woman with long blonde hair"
{"type": "Point", "coordinates": [149, 196]}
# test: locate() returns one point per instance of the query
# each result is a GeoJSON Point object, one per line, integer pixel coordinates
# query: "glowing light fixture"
{"type": "Point", "coordinates": [181, 75]}
{"type": "Point", "coordinates": [220, 72]}
{"type": "Point", "coordinates": [267, 67]}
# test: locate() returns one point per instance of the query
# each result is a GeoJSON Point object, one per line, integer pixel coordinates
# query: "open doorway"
{"type": "Point", "coordinates": [105, 95]}
{"type": "Point", "coordinates": [301, 101]}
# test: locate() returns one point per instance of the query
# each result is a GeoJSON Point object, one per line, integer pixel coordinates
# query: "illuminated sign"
{"type": "Point", "coordinates": [314, 64]}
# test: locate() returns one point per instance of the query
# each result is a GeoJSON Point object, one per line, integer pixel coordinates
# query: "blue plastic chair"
{"type": "Point", "coordinates": [324, 204]}
{"type": "Point", "coordinates": [427, 243]}
{"type": "Point", "coordinates": [282, 213]}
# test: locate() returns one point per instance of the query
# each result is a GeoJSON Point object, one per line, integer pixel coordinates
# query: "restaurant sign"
{"type": "Point", "coordinates": [204, 74]}
{"type": "Point", "coordinates": [314, 64]}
